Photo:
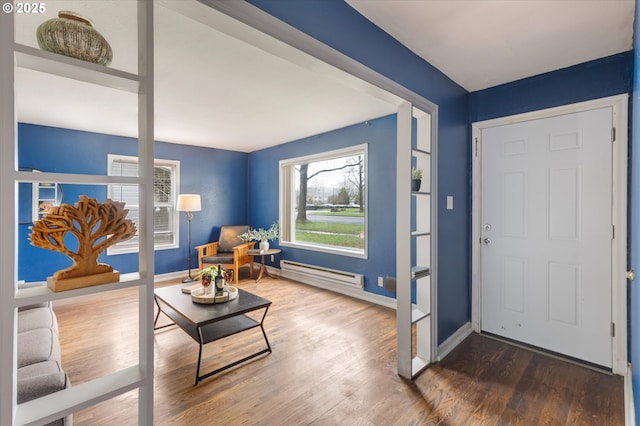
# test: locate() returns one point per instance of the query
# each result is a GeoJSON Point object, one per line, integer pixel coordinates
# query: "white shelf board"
{"type": "Point", "coordinates": [71, 178]}
{"type": "Point", "coordinates": [418, 315]}
{"type": "Point", "coordinates": [41, 293]}
{"type": "Point", "coordinates": [64, 66]}
{"type": "Point", "coordinates": [420, 193]}
{"type": "Point", "coordinates": [418, 271]}
{"type": "Point", "coordinates": [420, 233]}
{"type": "Point", "coordinates": [415, 152]}
{"type": "Point", "coordinates": [78, 397]}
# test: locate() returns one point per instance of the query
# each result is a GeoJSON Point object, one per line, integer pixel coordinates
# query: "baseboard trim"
{"type": "Point", "coordinates": [629, 405]}
{"type": "Point", "coordinates": [454, 340]}
{"type": "Point", "coordinates": [347, 291]}
{"type": "Point", "coordinates": [174, 275]}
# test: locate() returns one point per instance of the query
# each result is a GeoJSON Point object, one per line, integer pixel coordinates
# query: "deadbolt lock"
{"type": "Point", "coordinates": [631, 275]}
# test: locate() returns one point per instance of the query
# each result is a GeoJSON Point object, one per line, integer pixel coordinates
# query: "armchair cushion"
{"type": "Point", "coordinates": [221, 258]}
{"type": "Point", "coordinates": [229, 237]}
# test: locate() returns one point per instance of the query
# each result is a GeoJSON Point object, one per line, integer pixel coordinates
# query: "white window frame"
{"type": "Point", "coordinates": [174, 165]}
{"type": "Point", "coordinates": [288, 200]}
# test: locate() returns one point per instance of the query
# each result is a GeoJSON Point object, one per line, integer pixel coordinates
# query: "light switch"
{"type": "Point", "coordinates": [449, 202]}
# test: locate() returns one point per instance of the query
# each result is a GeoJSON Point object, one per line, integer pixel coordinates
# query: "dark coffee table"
{"type": "Point", "coordinates": [206, 323]}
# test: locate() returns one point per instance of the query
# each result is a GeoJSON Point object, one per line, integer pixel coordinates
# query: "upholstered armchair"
{"type": "Point", "coordinates": [229, 251]}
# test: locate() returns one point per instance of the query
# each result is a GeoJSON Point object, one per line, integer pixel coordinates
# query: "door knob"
{"type": "Point", "coordinates": [487, 241]}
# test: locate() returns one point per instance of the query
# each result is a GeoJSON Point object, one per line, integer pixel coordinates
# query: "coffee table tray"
{"type": "Point", "coordinates": [198, 296]}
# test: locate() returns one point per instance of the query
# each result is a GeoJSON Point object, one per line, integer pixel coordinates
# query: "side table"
{"type": "Point", "coordinates": [263, 267]}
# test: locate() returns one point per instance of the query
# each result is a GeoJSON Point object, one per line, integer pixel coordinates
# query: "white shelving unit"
{"type": "Point", "coordinates": [140, 376]}
{"type": "Point", "coordinates": [44, 194]}
{"type": "Point", "coordinates": [416, 292]}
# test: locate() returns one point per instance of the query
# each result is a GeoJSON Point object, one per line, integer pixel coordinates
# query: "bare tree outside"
{"type": "Point", "coordinates": [330, 202]}
{"type": "Point", "coordinates": [305, 177]}
{"type": "Point", "coordinates": [302, 196]}
{"type": "Point", "coordinates": [356, 178]}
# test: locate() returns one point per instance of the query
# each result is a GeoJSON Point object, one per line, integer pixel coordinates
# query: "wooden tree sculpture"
{"type": "Point", "coordinates": [95, 226]}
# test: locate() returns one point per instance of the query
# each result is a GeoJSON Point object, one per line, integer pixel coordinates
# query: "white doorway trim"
{"type": "Point", "coordinates": [619, 103]}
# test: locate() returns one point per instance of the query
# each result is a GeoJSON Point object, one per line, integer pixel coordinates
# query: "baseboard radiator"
{"type": "Point", "coordinates": [318, 274]}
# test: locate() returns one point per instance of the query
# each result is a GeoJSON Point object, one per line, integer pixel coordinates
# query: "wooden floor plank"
{"type": "Point", "coordinates": [333, 362]}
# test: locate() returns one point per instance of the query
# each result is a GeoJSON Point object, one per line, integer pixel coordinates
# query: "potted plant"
{"type": "Point", "coordinates": [262, 235]}
{"type": "Point", "coordinates": [416, 179]}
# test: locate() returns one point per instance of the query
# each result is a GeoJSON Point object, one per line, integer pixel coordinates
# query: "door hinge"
{"type": "Point", "coordinates": [476, 147]}
{"type": "Point", "coordinates": [613, 134]}
{"type": "Point", "coordinates": [613, 329]}
{"type": "Point", "coordinates": [613, 232]}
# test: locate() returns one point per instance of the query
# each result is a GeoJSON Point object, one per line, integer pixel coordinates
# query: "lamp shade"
{"type": "Point", "coordinates": [189, 203]}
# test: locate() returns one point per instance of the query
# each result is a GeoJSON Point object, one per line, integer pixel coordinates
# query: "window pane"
{"type": "Point", "coordinates": [329, 201]}
{"type": "Point", "coordinates": [125, 193]}
{"type": "Point", "coordinates": [165, 174]}
{"type": "Point", "coordinates": [163, 225]}
{"type": "Point", "coordinates": [162, 184]}
{"type": "Point", "coordinates": [124, 168]}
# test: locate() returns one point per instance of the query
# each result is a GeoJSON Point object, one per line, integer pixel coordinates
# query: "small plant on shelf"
{"type": "Point", "coordinates": [416, 174]}
{"type": "Point", "coordinates": [262, 235]}
{"type": "Point", "coordinates": [416, 179]}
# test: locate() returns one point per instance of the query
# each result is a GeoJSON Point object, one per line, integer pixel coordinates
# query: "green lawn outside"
{"type": "Point", "coordinates": [330, 239]}
{"type": "Point", "coordinates": [346, 235]}
{"type": "Point", "coordinates": [334, 228]}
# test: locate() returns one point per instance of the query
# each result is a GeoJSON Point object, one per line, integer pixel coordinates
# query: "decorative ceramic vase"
{"type": "Point", "coordinates": [264, 245]}
{"type": "Point", "coordinates": [71, 34]}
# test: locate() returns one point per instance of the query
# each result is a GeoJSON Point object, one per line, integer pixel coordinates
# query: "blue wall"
{"type": "Point", "coordinates": [220, 177]}
{"type": "Point", "coordinates": [336, 24]}
{"type": "Point", "coordinates": [602, 77]}
{"type": "Point", "coordinates": [380, 135]}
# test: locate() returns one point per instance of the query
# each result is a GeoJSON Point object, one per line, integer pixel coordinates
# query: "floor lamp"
{"type": "Point", "coordinates": [189, 203]}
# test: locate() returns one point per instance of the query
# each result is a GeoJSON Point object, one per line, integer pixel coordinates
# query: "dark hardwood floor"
{"type": "Point", "coordinates": [333, 363]}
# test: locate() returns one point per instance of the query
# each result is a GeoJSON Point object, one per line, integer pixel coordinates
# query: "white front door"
{"type": "Point", "coordinates": [546, 218]}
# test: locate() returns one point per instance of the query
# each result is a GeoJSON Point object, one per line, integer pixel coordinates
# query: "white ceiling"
{"type": "Point", "coordinates": [484, 43]}
{"type": "Point", "coordinates": [211, 87]}
{"type": "Point", "coordinates": [214, 87]}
